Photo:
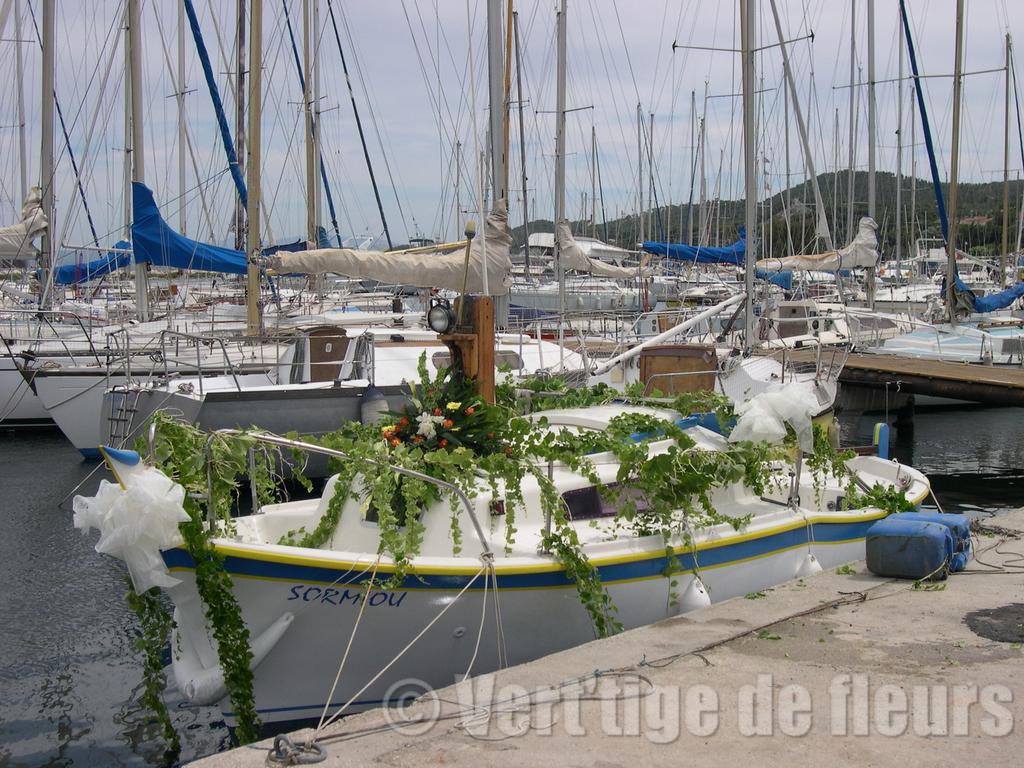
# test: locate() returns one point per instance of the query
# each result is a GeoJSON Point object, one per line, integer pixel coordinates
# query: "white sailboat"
{"type": "Point", "coordinates": [301, 606]}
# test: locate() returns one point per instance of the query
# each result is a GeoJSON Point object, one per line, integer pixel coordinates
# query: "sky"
{"type": "Point", "coordinates": [419, 76]}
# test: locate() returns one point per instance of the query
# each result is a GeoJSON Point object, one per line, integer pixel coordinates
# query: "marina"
{"type": "Point", "coordinates": [347, 418]}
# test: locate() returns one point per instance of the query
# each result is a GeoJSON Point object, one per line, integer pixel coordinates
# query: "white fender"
{"type": "Point", "coordinates": [205, 685]}
{"type": "Point", "coordinates": [694, 596]}
{"type": "Point", "coordinates": [809, 566]}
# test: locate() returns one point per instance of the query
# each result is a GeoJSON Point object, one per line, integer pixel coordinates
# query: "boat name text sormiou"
{"type": "Point", "coordinates": [328, 595]}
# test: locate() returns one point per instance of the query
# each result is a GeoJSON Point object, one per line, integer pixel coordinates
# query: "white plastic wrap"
{"type": "Point", "coordinates": [765, 416]}
{"type": "Point", "coordinates": [135, 524]}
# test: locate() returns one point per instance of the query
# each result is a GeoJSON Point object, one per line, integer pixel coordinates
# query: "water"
{"type": "Point", "coordinates": [70, 677]}
{"type": "Point", "coordinates": [974, 457]}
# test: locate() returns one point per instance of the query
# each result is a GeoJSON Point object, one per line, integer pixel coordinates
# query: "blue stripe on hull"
{"type": "Point", "coordinates": [652, 567]}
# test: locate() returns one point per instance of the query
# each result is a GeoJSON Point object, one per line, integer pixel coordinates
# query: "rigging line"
{"type": "Point", "coordinates": [313, 131]}
{"type": "Point", "coordinates": [409, 645]}
{"type": "Point", "coordinates": [1016, 102]}
{"type": "Point", "coordinates": [925, 127]}
{"type": "Point", "coordinates": [188, 135]}
{"type": "Point", "coordinates": [218, 106]}
{"type": "Point", "coordinates": [88, 160]}
{"type": "Point", "coordinates": [373, 118]}
{"type": "Point", "coordinates": [348, 647]}
{"type": "Point", "coordinates": [67, 139]}
{"type": "Point", "coordinates": [445, 144]}
{"type": "Point", "coordinates": [359, 124]}
{"type": "Point", "coordinates": [625, 48]}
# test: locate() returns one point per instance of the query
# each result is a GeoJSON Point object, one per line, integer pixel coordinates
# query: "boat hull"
{"type": "Point", "coordinates": [19, 406]}
{"type": "Point", "coordinates": [294, 679]}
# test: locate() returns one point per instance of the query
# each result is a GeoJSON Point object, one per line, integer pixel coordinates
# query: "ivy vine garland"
{"type": "Point", "coordinates": [447, 432]}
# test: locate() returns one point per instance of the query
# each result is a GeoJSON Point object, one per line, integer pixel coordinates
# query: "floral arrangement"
{"type": "Point", "coordinates": [444, 414]}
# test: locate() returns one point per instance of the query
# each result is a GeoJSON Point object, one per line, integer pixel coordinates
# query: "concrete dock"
{"type": "Point", "coordinates": [839, 668]}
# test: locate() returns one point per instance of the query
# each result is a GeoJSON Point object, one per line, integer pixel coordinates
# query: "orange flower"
{"type": "Point", "coordinates": [469, 411]}
{"type": "Point", "coordinates": [418, 439]}
{"type": "Point", "coordinates": [403, 421]}
{"type": "Point", "coordinates": [443, 443]}
{"type": "Point", "coordinates": [448, 423]}
{"type": "Point", "coordinates": [395, 441]}
{"type": "Point", "coordinates": [437, 411]}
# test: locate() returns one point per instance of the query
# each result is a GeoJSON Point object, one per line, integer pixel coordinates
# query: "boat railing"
{"type": "Point", "coordinates": [673, 376]}
{"type": "Point", "coordinates": [48, 318]}
{"type": "Point", "coordinates": [297, 445]}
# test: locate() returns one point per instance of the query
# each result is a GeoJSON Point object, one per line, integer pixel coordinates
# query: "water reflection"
{"type": "Point", "coordinates": [70, 678]}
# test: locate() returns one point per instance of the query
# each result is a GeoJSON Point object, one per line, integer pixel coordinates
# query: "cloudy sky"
{"type": "Point", "coordinates": [419, 74]}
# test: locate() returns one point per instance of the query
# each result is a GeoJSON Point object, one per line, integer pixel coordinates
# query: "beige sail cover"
{"type": "Point", "coordinates": [862, 252]}
{"type": "Point", "coordinates": [16, 240]}
{"type": "Point", "coordinates": [573, 257]}
{"type": "Point", "coordinates": [424, 270]}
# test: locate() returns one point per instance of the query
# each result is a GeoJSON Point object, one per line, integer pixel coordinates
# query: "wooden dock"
{"type": "Point", "coordinates": [986, 384]}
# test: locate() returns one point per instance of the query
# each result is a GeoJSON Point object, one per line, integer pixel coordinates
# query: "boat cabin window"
{"type": "Point", "coordinates": [591, 503]}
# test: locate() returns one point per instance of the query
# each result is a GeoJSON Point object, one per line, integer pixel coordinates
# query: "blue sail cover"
{"type": "Point", "coordinates": [70, 274]}
{"type": "Point", "coordinates": [702, 254]}
{"type": "Point", "coordinates": [155, 242]}
{"type": "Point", "coordinates": [999, 300]}
{"type": "Point", "coordinates": [734, 254]}
{"type": "Point", "coordinates": [300, 245]}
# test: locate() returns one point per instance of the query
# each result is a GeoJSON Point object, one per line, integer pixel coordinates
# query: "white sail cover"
{"type": "Point", "coordinates": [16, 240]}
{"type": "Point", "coordinates": [573, 257]}
{"type": "Point", "coordinates": [862, 252]}
{"type": "Point", "coordinates": [424, 270]}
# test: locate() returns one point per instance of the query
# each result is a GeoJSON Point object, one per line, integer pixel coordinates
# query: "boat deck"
{"type": "Point", "coordinates": [1000, 385]}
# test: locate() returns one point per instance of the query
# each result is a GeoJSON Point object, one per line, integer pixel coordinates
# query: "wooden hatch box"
{"type": "Point", "coordinates": [677, 368]}
{"type": "Point", "coordinates": [327, 347]}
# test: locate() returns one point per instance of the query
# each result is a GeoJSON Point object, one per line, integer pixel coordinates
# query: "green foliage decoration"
{"type": "Point", "coordinates": [664, 485]}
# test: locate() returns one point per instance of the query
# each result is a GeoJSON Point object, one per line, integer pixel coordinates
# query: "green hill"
{"type": "Point", "coordinates": [982, 202]}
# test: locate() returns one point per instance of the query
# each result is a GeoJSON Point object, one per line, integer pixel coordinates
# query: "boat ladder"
{"type": "Point", "coordinates": [121, 417]}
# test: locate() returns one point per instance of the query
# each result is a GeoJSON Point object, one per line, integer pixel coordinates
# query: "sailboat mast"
{"type": "Point", "coordinates": [593, 181]}
{"type": "Point", "coordinates": [560, 171]}
{"type": "Point", "coordinates": [1006, 173]}
{"type": "Point", "coordinates": [650, 175]}
{"type": "Point", "coordinates": [899, 160]}
{"type": "Point", "coordinates": [869, 275]}
{"type": "Point", "coordinates": [954, 164]}
{"type": "Point", "coordinates": [851, 154]}
{"type": "Point", "coordinates": [522, 145]}
{"type": "Point", "coordinates": [748, 38]}
{"type": "Point", "coordinates": [135, 44]}
{"type": "Point", "coordinates": [180, 97]}
{"type": "Point", "coordinates": [458, 191]}
{"type": "Point", "coordinates": [823, 229]}
{"type": "Point", "coordinates": [307, 100]}
{"type": "Point", "coordinates": [496, 90]}
{"type": "Point", "coordinates": [318, 178]}
{"type": "Point", "coordinates": [20, 77]}
{"type": "Point", "coordinates": [252, 169]}
{"type": "Point", "coordinates": [240, 212]}
{"type": "Point", "coordinates": [913, 173]}
{"type": "Point", "coordinates": [47, 246]}
{"type": "Point", "coordinates": [640, 170]}
{"type": "Point", "coordinates": [693, 166]}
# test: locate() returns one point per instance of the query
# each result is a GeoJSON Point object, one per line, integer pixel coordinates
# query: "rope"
{"type": "Point", "coordinates": [480, 629]}
{"type": "Point", "coordinates": [502, 645]}
{"type": "Point", "coordinates": [344, 658]}
{"type": "Point", "coordinates": [402, 652]}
